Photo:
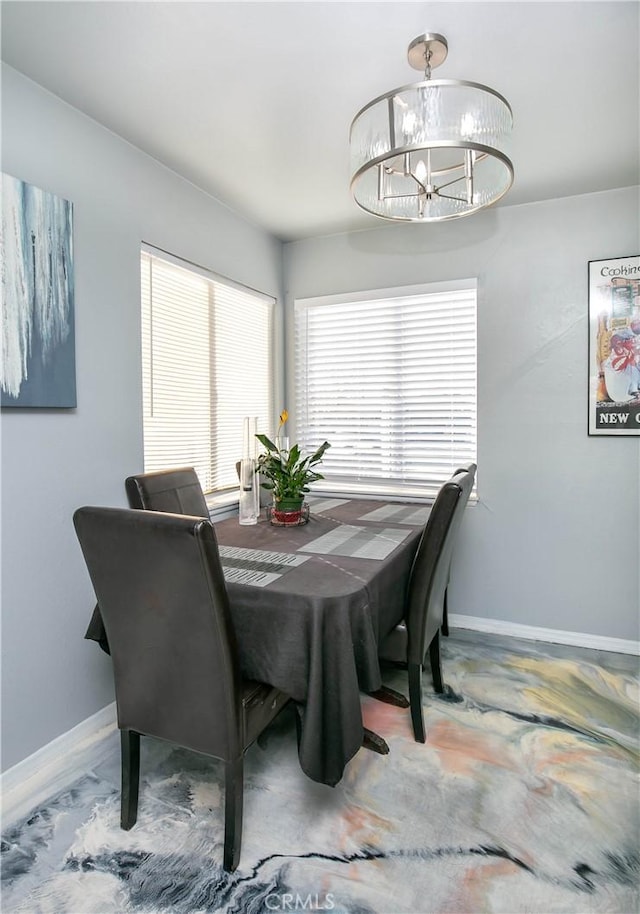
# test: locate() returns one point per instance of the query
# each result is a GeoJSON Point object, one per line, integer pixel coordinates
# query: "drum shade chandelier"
{"type": "Point", "coordinates": [432, 150]}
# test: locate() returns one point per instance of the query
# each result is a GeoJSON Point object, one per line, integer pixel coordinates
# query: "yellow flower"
{"type": "Point", "coordinates": [284, 415]}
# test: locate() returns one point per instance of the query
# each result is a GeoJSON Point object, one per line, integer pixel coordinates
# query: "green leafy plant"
{"type": "Point", "coordinates": [287, 472]}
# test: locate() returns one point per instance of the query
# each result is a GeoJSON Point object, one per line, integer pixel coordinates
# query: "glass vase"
{"type": "Point", "coordinates": [249, 500]}
{"type": "Point", "coordinates": [282, 443]}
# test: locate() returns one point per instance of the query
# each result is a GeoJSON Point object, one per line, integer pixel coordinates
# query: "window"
{"type": "Point", "coordinates": [389, 378]}
{"type": "Point", "coordinates": [206, 364]}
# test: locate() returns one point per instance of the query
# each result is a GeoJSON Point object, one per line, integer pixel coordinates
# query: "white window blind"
{"type": "Point", "coordinates": [390, 381]}
{"type": "Point", "coordinates": [206, 364]}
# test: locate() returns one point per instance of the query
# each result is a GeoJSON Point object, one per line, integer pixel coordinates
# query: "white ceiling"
{"type": "Point", "coordinates": [252, 102]}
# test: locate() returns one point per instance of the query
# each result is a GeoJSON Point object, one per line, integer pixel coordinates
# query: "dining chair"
{"type": "Point", "coordinates": [163, 601]}
{"type": "Point", "coordinates": [444, 628]}
{"type": "Point", "coordinates": [419, 633]}
{"type": "Point", "coordinates": [177, 491]}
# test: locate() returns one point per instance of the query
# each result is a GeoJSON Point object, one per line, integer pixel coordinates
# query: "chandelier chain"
{"type": "Point", "coordinates": [427, 63]}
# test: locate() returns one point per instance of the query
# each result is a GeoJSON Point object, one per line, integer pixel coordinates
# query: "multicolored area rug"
{"type": "Point", "coordinates": [523, 799]}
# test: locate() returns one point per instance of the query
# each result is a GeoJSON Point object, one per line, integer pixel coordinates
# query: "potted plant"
{"type": "Point", "coordinates": [287, 473]}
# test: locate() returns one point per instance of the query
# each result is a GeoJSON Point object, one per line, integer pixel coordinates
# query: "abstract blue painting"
{"type": "Point", "coordinates": [38, 329]}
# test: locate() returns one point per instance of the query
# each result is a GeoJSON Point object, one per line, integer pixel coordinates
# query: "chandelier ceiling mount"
{"type": "Point", "coordinates": [426, 52]}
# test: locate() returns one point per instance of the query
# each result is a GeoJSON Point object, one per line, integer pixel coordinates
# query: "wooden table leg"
{"type": "Point", "coordinates": [390, 697]}
{"type": "Point", "coordinates": [372, 741]}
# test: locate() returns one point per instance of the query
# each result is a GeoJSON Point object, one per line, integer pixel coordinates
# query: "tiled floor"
{"type": "Point", "coordinates": [523, 799]}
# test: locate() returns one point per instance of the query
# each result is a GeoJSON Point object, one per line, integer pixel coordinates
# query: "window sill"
{"type": "Point", "coordinates": [222, 505]}
{"type": "Point", "coordinates": [226, 504]}
{"type": "Point", "coordinates": [387, 493]}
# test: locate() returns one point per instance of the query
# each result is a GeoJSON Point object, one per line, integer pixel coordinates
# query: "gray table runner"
{"type": "Point", "coordinates": [256, 567]}
{"type": "Point", "coordinates": [399, 514]}
{"type": "Point", "coordinates": [319, 504]}
{"type": "Point", "coordinates": [357, 542]}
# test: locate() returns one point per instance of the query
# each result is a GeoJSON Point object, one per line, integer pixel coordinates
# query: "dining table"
{"type": "Point", "coordinates": [311, 603]}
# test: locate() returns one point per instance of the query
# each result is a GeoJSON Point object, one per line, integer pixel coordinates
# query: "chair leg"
{"type": "Point", "coordinates": [130, 769]}
{"type": "Point", "coordinates": [444, 628]}
{"type": "Point", "coordinates": [415, 697]}
{"type": "Point", "coordinates": [234, 796]}
{"type": "Point", "coordinates": [436, 666]}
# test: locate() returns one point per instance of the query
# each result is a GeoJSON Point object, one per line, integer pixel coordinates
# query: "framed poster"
{"type": "Point", "coordinates": [614, 346]}
{"type": "Point", "coordinates": [38, 330]}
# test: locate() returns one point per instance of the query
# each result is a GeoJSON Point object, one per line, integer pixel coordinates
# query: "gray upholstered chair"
{"type": "Point", "coordinates": [444, 628]}
{"type": "Point", "coordinates": [176, 491]}
{"type": "Point", "coordinates": [410, 641]}
{"type": "Point", "coordinates": [164, 606]}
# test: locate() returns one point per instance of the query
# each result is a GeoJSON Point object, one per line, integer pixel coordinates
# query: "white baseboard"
{"type": "Point", "coordinates": [34, 778]}
{"type": "Point", "coordinates": [552, 635]}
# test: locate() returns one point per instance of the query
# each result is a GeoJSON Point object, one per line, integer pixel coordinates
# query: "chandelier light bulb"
{"type": "Point", "coordinates": [421, 171]}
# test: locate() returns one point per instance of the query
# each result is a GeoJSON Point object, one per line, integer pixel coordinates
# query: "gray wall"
{"type": "Point", "coordinates": [54, 461]}
{"type": "Point", "coordinates": [554, 540]}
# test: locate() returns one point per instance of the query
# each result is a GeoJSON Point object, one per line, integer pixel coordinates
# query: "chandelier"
{"type": "Point", "coordinates": [431, 150]}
